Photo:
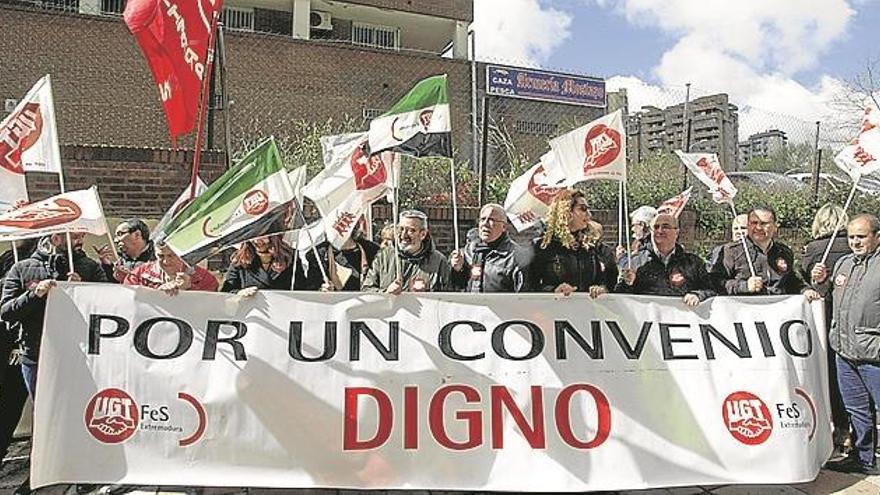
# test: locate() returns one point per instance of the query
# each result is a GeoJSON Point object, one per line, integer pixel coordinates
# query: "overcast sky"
{"type": "Point", "coordinates": [783, 57]}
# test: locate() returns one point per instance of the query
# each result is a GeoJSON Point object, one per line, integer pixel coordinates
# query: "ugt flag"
{"type": "Point", "coordinates": [675, 205]}
{"type": "Point", "coordinates": [862, 156]}
{"type": "Point", "coordinates": [28, 137]}
{"type": "Point", "coordinates": [251, 199]}
{"type": "Point", "coordinates": [174, 36]}
{"type": "Point", "coordinates": [707, 170]}
{"type": "Point", "coordinates": [73, 211]}
{"type": "Point", "coordinates": [351, 181]}
{"type": "Point", "coordinates": [529, 197]}
{"type": "Point", "coordinates": [419, 124]}
{"type": "Point", "coordinates": [593, 151]}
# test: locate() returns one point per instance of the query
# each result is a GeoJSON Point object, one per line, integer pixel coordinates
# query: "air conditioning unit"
{"type": "Point", "coordinates": [320, 20]}
{"type": "Point", "coordinates": [9, 104]}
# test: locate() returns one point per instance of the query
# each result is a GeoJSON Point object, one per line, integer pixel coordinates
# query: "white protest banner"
{"type": "Point", "coordinates": [675, 205]}
{"type": "Point", "coordinates": [506, 392]}
{"type": "Point", "coordinates": [73, 211]}
{"type": "Point", "coordinates": [594, 151]}
{"type": "Point", "coordinates": [862, 156]}
{"type": "Point", "coordinates": [529, 196]}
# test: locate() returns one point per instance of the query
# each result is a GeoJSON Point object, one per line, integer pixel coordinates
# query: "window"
{"type": "Point", "coordinates": [238, 18]}
{"type": "Point", "coordinates": [112, 6]}
{"type": "Point", "coordinates": [375, 35]}
{"type": "Point", "coordinates": [67, 5]}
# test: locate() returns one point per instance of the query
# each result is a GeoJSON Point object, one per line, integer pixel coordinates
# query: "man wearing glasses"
{"type": "Point", "coordinates": [132, 238]}
{"type": "Point", "coordinates": [665, 269]}
{"type": "Point", "coordinates": [489, 263]}
{"type": "Point", "coordinates": [421, 267]}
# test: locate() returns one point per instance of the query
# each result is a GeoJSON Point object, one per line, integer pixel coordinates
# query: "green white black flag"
{"type": "Point", "coordinates": [253, 198]}
{"type": "Point", "coordinates": [419, 124]}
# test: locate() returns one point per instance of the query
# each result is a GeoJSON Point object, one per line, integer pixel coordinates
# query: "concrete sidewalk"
{"type": "Point", "coordinates": [14, 471]}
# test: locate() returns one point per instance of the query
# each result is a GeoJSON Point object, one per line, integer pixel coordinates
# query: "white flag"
{"type": "Point", "coordinates": [13, 187]}
{"type": "Point", "coordinates": [176, 207]}
{"type": "Point", "coordinates": [73, 211]}
{"type": "Point", "coordinates": [28, 136]}
{"type": "Point", "coordinates": [675, 205]}
{"type": "Point", "coordinates": [862, 156]}
{"type": "Point", "coordinates": [594, 151]}
{"type": "Point", "coordinates": [350, 182]}
{"type": "Point", "coordinates": [707, 170]}
{"type": "Point", "coordinates": [529, 196]}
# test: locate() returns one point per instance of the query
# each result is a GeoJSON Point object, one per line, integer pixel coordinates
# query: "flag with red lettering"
{"type": "Point", "coordinates": [28, 135]}
{"type": "Point", "coordinates": [529, 196]}
{"type": "Point", "coordinates": [351, 181]}
{"type": "Point", "coordinates": [594, 151]}
{"type": "Point", "coordinates": [707, 170]}
{"type": "Point", "coordinates": [174, 36]}
{"type": "Point", "coordinates": [862, 156]}
{"type": "Point", "coordinates": [675, 205]}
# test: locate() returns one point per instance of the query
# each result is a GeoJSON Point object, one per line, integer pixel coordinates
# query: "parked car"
{"type": "Point", "coordinates": [869, 184]}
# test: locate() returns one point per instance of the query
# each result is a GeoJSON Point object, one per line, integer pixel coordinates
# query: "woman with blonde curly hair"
{"type": "Point", "coordinates": [566, 258]}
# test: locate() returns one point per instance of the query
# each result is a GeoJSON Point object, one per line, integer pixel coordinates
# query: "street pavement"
{"type": "Point", "coordinates": [828, 482]}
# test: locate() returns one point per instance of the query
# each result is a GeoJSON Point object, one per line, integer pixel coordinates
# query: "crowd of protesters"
{"type": "Point", "coordinates": [568, 257]}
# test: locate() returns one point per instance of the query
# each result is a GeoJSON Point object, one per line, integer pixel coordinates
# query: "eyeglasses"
{"type": "Point", "coordinates": [123, 233]}
{"type": "Point", "coordinates": [581, 207]}
{"type": "Point", "coordinates": [665, 226]}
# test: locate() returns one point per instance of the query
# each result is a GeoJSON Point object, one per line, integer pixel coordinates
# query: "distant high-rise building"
{"type": "Point", "coordinates": [761, 145]}
{"type": "Point", "coordinates": [714, 124]}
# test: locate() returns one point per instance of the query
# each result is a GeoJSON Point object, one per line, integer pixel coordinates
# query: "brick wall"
{"type": "Point", "coordinates": [131, 182]}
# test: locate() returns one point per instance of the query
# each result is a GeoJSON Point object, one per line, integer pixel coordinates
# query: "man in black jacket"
{"type": "Point", "coordinates": [492, 262]}
{"type": "Point", "coordinates": [665, 269]}
{"type": "Point", "coordinates": [772, 260]}
{"type": "Point", "coordinates": [26, 285]}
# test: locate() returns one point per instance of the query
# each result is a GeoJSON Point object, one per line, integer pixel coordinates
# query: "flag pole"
{"type": "Point", "coordinates": [454, 203]}
{"type": "Point", "coordinates": [312, 242]}
{"type": "Point", "coordinates": [14, 252]}
{"type": "Point", "coordinates": [69, 251]}
{"type": "Point", "coordinates": [629, 253]}
{"type": "Point", "coordinates": [742, 239]}
{"type": "Point", "coordinates": [203, 106]}
{"type": "Point", "coordinates": [295, 265]}
{"type": "Point", "coordinates": [837, 227]}
{"type": "Point", "coordinates": [224, 94]}
{"type": "Point", "coordinates": [395, 212]}
{"type": "Point", "coordinates": [620, 230]}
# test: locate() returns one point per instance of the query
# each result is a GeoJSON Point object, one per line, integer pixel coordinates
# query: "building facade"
{"type": "Point", "coordinates": [762, 145]}
{"type": "Point", "coordinates": [712, 122]}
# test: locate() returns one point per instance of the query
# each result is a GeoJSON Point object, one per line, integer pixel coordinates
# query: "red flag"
{"type": "Point", "coordinates": [174, 36]}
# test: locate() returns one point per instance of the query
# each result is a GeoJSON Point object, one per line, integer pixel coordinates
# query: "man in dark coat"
{"type": "Point", "coordinates": [665, 269]}
{"type": "Point", "coordinates": [492, 262]}
{"type": "Point", "coordinates": [773, 261]}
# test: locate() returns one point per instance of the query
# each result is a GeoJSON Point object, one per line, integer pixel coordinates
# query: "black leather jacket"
{"type": "Point", "coordinates": [579, 267]}
{"type": "Point", "coordinates": [494, 267]}
{"type": "Point", "coordinates": [683, 274]}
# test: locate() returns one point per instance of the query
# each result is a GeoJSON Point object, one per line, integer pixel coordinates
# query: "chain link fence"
{"type": "Point", "coordinates": [299, 90]}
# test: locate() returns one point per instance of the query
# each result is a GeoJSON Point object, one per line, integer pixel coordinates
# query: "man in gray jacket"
{"type": "Point", "coordinates": [855, 336]}
{"type": "Point", "coordinates": [492, 262]}
{"type": "Point", "coordinates": [422, 268]}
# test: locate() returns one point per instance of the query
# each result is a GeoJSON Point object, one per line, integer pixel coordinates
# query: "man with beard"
{"type": "Point", "coordinates": [25, 288]}
{"type": "Point", "coordinates": [665, 269]}
{"type": "Point", "coordinates": [132, 238]}
{"type": "Point", "coordinates": [489, 263]}
{"type": "Point", "coordinates": [422, 268]}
